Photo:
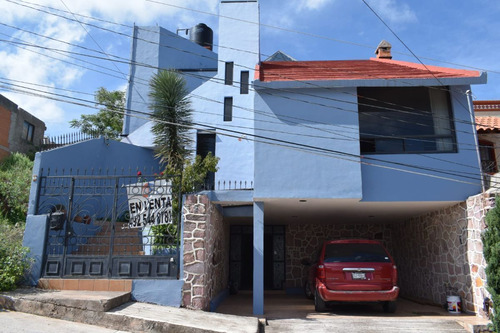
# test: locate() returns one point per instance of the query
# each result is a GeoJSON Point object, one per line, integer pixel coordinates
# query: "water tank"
{"type": "Point", "coordinates": [202, 35]}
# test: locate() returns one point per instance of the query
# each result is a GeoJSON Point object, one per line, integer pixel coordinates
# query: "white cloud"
{"type": "Point", "coordinates": [312, 4]}
{"type": "Point", "coordinates": [23, 64]}
{"type": "Point", "coordinates": [394, 12]}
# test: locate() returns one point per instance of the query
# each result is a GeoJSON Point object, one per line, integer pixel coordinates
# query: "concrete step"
{"type": "Point", "coordinates": [104, 309]}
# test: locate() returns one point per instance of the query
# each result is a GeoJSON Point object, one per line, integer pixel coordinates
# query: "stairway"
{"type": "Point", "coordinates": [126, 241]}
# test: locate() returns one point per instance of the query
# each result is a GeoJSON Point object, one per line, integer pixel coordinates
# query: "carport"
{"type": "Point", "coordinates": [295, 313]}
{"type": "Point", "coordinates": [428, 240]}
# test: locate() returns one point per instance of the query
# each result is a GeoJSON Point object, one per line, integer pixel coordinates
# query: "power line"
{"type": "Point", "coordinates": [285, 143]}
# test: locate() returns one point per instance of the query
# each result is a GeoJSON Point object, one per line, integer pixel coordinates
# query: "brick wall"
{"type": "Point", "coordinates": [206, 248]}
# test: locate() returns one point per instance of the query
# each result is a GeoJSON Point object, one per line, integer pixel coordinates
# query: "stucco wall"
{"type": "Point", "coordinates": [431, 177]}
{"type": "Point", "coordinates": [316, 155]}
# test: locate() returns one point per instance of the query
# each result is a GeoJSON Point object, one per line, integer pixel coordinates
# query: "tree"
{"type": "Point", "coordinates": [109, 120]}
{"type": "Point", "coordinates": [491, 252]}
{"type": "Point", "coordinates": [15, 182]}
{"type": "Point", "coordinates": [172, 115]}
{"type": "Point", "coordinates": [172, 121]}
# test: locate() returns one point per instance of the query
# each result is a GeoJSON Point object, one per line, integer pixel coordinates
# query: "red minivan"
{"type": "Point", "coordinates": [354, 270]}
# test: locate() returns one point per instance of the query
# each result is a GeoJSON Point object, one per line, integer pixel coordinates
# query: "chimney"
{"type": "Point", "coordinates": [384, 50]}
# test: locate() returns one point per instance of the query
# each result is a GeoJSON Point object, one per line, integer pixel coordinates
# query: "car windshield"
{"type": "Point", "coordinates": [355, 252]}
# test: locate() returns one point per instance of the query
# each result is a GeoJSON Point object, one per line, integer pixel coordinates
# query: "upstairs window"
{"type": "Point", "coordinates": [488, 158]}
{"type": "Point", "coordinates": [228, 79]}
{"type": "Point", "coordinates": [405, 120]}
{"type": "Point", "coordinates": [28, 130]}
{"type": "Point", "coordinates": [228, 108]}
{"type": "Point", "coordinates": [244, 79]}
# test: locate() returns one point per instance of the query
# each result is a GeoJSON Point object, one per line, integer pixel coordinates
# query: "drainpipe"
{"type": "Point", "coordinates": [474, 131]}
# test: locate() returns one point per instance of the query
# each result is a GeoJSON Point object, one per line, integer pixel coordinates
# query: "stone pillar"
{"type": "Point", "coordinates": [195, 220]}
{"type": "Point", "coordinates": [477, 207]}
{"type": "Point", "coordinates": [206, 248]}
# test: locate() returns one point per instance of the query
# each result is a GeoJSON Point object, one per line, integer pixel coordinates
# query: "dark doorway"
{"type": "Point", "coordinates": [205, 143]}
{"type": "Point", "coordinates": [241, 257]}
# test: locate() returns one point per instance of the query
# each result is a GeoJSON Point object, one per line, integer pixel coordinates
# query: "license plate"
{"type": "Point", "coordinates": [358, 276]}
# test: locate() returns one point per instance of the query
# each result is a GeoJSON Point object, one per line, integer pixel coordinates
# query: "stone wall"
{"type": "Point", "coordinates": [477, 207]}
{"type": "Point", "coordinates": [303, 241]}
{"type": "Point", "coordinates": [206, 244]}
{"type": "Point", "coordinates": [430, 252]}
{"type": "Point", "coordinates": [440, 254]}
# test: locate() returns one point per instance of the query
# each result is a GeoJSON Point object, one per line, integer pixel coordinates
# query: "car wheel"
{"type": "Point", "coordinates": [319, 304]}
{"type": "Point", "coordinates": [307, 290]}
{"type": "Point", "coordinates": [389, 307]}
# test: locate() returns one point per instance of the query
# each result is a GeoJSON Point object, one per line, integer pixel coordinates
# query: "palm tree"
{"type": "Point", "coordinates": [172, 115]}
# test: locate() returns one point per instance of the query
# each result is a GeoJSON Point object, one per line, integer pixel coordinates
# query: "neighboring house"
{"type": "Point", "coordinates": [309, 151]}
{"type": "Point", "coordinates": [488, 126]}
{"type": "Point", "coordinates": [20, 131]}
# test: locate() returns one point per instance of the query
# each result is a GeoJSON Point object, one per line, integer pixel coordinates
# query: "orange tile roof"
{"type": "Point", "coordinates": [354, 70]}
{"type": "Point", "coordinates": [488, 124]}
{"type": "Point", "coordinates": [486, 106]}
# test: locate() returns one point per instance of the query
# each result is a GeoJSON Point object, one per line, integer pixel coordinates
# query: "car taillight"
{"type": "Point", "coordinates": [394, 275]}
{"type": "Point", "coordinates": [320, 272]}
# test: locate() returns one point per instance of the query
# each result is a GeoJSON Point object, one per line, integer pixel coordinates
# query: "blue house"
{"type": "Point", "coordinates": [310, 151]}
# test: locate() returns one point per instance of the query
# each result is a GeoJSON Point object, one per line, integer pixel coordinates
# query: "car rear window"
{"type": "Point", "coordinates": [355, 252]}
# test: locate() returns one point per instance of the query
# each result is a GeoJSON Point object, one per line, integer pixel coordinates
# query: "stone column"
{"type": "Point", "coordinates": [195, 223]}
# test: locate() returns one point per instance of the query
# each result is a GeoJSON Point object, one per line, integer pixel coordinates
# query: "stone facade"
{"type": "Point", "coordinates": [438, 254]}
{"type": "Point", "coordinates": [303, 241]}
{"type": "Point", "coordinates": [206, 248]}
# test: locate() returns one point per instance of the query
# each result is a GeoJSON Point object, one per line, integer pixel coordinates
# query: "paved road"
{"type": "Point", "coordinates": [18, 322]}
{"type": "Point", "coordinates": [365, 325]}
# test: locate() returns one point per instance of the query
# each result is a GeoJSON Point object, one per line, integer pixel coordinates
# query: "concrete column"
{"type": "Point", "coordinates": [258, 258]}
{"type": "Point", "coordinates": [35, 239]}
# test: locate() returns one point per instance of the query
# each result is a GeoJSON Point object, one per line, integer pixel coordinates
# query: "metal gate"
{"type": "Point", "coordinates": [110, 226]}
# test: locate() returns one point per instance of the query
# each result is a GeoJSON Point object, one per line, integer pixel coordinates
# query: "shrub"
{"type": "Point", "coordinates": [491, 251]}
{"type": "Point", "coordinates": [15, 181]}
{"type": "Point", "coordinates": [14, 260]}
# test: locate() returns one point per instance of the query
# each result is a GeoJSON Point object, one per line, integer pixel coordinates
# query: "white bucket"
{"type": "Point", "coordinates": [454, 304]}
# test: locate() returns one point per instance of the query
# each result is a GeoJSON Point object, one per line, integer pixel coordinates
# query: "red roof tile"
{"type": "Point", "coordinates": [354, 70]}
{"type": "Point", "coordinates": [488, 124]}
{"type": "Point", "coordinates": [482, 106]}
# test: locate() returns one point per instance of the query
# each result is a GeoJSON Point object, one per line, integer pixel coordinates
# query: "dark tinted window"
{"type": "Point", "coordinates": [228, 108]}
{"type": "Point", "coordinates": [361, 252]}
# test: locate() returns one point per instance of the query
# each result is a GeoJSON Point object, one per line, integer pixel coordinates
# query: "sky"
{"type": "Point", "coordinates": [54, 54]}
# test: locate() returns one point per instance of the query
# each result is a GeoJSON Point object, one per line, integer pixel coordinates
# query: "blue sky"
{"type": "Point", "coordinates": [450, 33]}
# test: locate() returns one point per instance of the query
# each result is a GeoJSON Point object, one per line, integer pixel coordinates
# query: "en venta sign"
{"type": "Point", "coordinates": [150, 203]}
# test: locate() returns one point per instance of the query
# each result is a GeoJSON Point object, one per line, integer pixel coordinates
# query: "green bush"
{"type": "Point", "coordinates": [15, 182]}
{"type": "Point", "coordinates": [491, 251]}
{"type": "Point", "coordinates": [14, 260]}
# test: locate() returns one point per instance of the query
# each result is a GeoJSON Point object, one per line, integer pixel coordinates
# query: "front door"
{"type": "Point", "coordinates": [241, 258]}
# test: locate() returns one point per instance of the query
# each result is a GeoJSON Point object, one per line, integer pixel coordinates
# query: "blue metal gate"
{"type": "Point", "coordinates": [110, 226]}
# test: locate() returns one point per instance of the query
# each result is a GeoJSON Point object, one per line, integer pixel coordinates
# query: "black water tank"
{"type": "Point", "coordinates": [202, 35]}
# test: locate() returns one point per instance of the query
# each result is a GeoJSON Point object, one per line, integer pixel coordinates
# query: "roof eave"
{"type": "Point", "coordinates": [393, 82]}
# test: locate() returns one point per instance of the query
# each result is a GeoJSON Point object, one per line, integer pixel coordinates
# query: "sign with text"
{"type": "Point", "coordinates": [150, 203]}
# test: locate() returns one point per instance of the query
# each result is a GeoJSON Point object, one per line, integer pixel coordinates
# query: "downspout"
{"type": "Point", "coordinates": [476, 142]}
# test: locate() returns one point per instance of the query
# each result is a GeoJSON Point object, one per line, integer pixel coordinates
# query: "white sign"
{"type": "Point", "coordinates": [150, 203]}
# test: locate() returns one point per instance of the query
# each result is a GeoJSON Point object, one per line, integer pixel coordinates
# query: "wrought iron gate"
{"type": "Point", "coordinates": [110, 226]}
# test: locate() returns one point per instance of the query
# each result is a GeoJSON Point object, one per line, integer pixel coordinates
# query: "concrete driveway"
{"type": "Point", "coordinates": [295, 313]}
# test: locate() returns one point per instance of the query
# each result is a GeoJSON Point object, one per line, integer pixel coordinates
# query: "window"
{"type": "Point", "coordinates": [228, 108]}
{"type": "Point", "coordinates": [205, 143]}
{"type": "Point", "coordinates": [28, 130]}
{"type": "Point", "coordinates": [488, 159]}
{"type": "Point", "coordinates": [228, 80]}
{"type": "Point", "coordinates": [405, 120]}
{"type": "Point", "coordinates": [244, 82]}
